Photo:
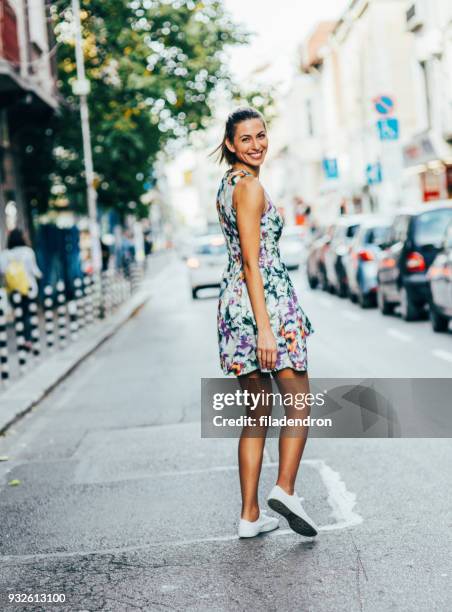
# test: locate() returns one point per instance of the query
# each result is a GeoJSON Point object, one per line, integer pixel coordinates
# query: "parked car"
{"type": "Point", "coordinates": [415, 240]}
{"type": "Point", "coordinates": [315, 263]}
{"type": "Point", "coordinates": [361, 265]}
{"type": "Point", "coordinates": [207, 262]}
{"type": "Point", "coordinates": [292, 247]}
{"type": "Point", "coordinates": [440, 279]}
{"type": "Point", "coordinates": [339, 248]}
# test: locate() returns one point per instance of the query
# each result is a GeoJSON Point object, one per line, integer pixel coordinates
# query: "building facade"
{"type": "Point", "coordinates": [27, 97]}
{"type": "Point", "coordinates": [369, 114]}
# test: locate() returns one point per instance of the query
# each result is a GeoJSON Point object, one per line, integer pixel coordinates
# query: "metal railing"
{"type": "Point", "coordinates": [38, 328]}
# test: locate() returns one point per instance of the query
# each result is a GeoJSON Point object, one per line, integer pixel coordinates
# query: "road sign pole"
{"type": "Point", "coordinates": [82, 89]}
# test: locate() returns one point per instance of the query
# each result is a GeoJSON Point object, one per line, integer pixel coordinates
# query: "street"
{"type": "Point", "coordinates": [121, 505]}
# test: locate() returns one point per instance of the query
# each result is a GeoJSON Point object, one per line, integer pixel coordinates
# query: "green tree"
{"type": "Point", "coordinates": [152, 66]}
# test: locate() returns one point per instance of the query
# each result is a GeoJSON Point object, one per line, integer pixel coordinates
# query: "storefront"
{"type": "Point", "coordinates": [428, 168]}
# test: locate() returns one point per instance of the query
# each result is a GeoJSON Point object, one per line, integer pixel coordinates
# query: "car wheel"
{"type": "Point", "coordinates": [343, 290]}
{"type": "Point", "coordinates": [408, 309]}
{"type": "Point", "coordinates": [364, 300]}
{"type": "Point", "coordinates": [313, 282]}
{"type": "Point", "coordinates": [194, 294]}
{"type": "Point", "coordinates": [439, 322]}
{"type": "Point", "coordinates": [386, 308]}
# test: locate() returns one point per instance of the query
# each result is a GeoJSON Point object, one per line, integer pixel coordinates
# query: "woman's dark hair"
{"type": "Point", "coordinates": [243, 113]}
{"type": "Point", "coordinates": [16, 238]}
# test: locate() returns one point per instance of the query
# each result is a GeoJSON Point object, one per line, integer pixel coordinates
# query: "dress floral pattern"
{"type": "Point", "coordinates": [237, 330]}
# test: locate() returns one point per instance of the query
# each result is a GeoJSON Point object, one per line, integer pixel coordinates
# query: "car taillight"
{"type": "Point", "coordinates": [366, 255]}
{"type": "Point", "coordinates": [415, 262]}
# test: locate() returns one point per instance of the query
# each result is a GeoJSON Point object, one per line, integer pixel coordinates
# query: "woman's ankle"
{"type": "Point", "coordinates": [250, 514]}
{"type": "Point", "coordinates": [285, 486]}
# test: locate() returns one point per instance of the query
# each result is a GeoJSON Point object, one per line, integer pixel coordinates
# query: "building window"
{"type": "Point", "coordinates": [426, 83]}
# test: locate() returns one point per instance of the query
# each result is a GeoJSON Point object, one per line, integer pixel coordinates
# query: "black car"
{"type": "Point", "coordinates": [440, 277]}
{"type": "Point", "coordinates": [415, 240]}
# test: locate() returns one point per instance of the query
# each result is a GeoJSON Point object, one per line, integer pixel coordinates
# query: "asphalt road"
{"type": "Point", "coordinates": [123, 506]}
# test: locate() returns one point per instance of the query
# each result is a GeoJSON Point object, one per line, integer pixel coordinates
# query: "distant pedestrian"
{"type": "Point", "coordinates": [127, 254]}
{"type": "Point", "coordinates": [262, 328]}
{"type": "Point", "coordinates": [20, 271]}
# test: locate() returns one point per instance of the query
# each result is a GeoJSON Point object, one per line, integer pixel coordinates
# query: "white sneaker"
{"type": "Point", "coordinates": [290, 507]}
{"type": "Point", "coordinates": [249, 529]}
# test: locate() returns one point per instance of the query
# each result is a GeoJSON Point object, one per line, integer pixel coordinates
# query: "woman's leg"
{"type": "Point", "coordinates": [292, 439]}
{"type": "Point", "coordinates": [251, 444]}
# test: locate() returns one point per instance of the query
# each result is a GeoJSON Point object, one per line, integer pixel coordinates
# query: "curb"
{"type": "Point", "coordinates": [26, 393]}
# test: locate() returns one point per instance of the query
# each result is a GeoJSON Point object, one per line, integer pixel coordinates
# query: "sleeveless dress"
{"type": "Point", "coordinates": [237, 330]}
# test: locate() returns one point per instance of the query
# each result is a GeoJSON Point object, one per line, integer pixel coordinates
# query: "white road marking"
{"type": "Point", "coordinates": [395, 333]}
{"type": "Point", "coordinates": [352, 316]}
{"type": "Point", "coordinates": [446, 355]}
{"type": "Point", "coordinates": [340, 499]}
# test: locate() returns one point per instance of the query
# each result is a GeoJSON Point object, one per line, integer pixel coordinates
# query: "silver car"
{"type": "Point", "coordinates": [207, 262]}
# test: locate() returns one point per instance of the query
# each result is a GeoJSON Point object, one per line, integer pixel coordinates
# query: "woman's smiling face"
{"type": "Point", "coordinates": [250, 142]}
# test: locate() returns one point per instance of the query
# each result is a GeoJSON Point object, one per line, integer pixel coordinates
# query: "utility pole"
{"type": "Point", "coordinates": [81, 88]}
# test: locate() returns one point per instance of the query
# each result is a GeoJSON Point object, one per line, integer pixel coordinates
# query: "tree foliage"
{"type": "Point", "coordinates": [152, 67]}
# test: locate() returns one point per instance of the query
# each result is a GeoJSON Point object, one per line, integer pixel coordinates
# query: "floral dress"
{"type": "Point", "coordinates": [237, 330]}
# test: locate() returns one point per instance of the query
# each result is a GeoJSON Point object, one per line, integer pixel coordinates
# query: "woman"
{"type": "Point", "coordinates": [261, 327]}
{"type": "Point", "coordinates": [18, 251]}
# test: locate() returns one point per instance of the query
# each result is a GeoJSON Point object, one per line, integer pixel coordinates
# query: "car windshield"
{"type": "Point", "coordinates": [351, 230]}
{"type": "Point", "coordinates": [211, 248]}
{"type": "Point", "coordinates": [376, 235]}
{"type": "Point", "coordinates": [430, 226]}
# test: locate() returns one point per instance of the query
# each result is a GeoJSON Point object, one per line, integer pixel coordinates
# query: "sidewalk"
{"type": "Point", "coordinates": [23, 393]}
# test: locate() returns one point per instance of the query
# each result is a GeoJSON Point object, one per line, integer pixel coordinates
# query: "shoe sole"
{"type": "Point", "coordinates": [296, 523]}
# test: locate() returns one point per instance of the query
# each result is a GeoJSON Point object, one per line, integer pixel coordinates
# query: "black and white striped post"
{"type": "Point", "coordinates": [87, 285]}
{"type": "Point", "coordinates": [79, 300]}
{"type": "Point", "coordinates": [49, 322]}
{"type": "Point", "coordinates": [134, 276]}
{"type": "Point", "coordinates": [4, 364]}
{"type": "Point", "coordinates": [34, 324]}
{"type": "Point", "coordinates": [73, 322]}
{"type": "Point", "coordinates": [97, 296]}
{"type": "Point", "coordinates": [19, 328]}
{"type": "Point", "coordinates": [61, 314]}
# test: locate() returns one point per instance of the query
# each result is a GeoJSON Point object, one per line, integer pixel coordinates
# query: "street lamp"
{"type": "Point", "coordinates": [81, 88]}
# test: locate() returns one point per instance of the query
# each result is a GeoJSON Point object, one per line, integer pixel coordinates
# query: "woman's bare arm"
{"type": "Point", "coordinates": [249, 201]}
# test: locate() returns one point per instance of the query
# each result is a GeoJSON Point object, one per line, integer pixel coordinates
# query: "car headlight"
{"type": "Point", "coordinates": [193, 262]}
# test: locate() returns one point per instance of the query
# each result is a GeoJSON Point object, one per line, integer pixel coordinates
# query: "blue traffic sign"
{"type": "Point", "coordinates": [330, 168]}
{"type": "Point", "coordinates": [373, 174]}
{"type": "Point", "coordinates": [384, 105]}
{"type": "Point", "coordinates": [388, 129]}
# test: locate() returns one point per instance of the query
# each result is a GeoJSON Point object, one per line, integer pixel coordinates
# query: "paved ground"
{"type": "Point", "coordinates": [121, 505]}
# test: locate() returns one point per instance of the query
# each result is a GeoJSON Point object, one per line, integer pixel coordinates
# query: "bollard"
{"type": "Point", "coordinates": [4, 365]}
{"type": "Point", "coordinates": [73, 323]}
{"type": "Point", "coordinates": [97, 296]}
{"type": "Point", "coordinates": [34, 324]}
{"type": "Point", "coordinates": [19, 329]}
{"type": "Point", "coordinates": [87, 284]}
{"type": "Point", "coordinates": [134, 276]}
{"type": "Point", "coordinates": [49, 324]}
{"type": "Point", "coordinates": [79, 303]}
{"type": "Point", "coordinates": [104, 294]}
{"type": "Point", "coordinates": [61, 314]}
